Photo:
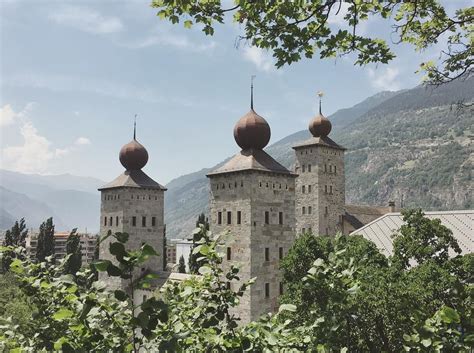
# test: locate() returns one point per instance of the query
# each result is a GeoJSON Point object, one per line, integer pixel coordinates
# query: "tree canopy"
{"type": "Point", "coordinates": [45, 245]}
{"type": "Point", "coordinates": [74, 253]}
{"type": "Point", "coordinates": [295, 29]}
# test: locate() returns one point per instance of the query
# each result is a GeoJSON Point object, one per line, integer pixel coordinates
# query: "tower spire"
{"type": "Point", "coordinates": [135, 128]}
{"type": "Point", "coordinates": [320, 95]}
{"type": "Point", "coordinates": [251, 91]}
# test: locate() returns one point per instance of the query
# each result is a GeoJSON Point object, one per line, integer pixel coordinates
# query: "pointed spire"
{"type": "Point", "coordinates": [251, 91]}
{"type": "Point", "coordinates": [320, 95]}
{"type": "Point", "coordinates": [135, 128]}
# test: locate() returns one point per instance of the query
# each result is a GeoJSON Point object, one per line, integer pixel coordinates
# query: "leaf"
{"type": "Point", "coordinates": [120, 295]}
{"type": "Point", "coordinates": [58, 345]}
{"type": "Point", "coordinates": [287, 307]}
{"type": "Point", "coordinates": [121, 237]}
{"type": "Point", "coordinates": [426, 342]}
{"type": "Point", "coordinates": [113, 270]}
{"type": "Point", "coordinates": [101, 265]}
{"type": "Point", "coordinates": [204, 270]}
{"type": "Point", "coordinates": [62, 314]}
{"type": "Point", "coordinates": [318, 262]}
{"type": "Point", "coordinates": [188, 24]}
{"type": "Point", "coordinates": [148, 250]}
{"type": "Point", "coordinates": [449, 315]}
{"type": "Point", "coordinates": [117, 249]}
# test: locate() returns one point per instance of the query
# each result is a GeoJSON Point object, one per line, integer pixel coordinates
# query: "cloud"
{"type": "Point", "coordinates": [170, 40]}
{"type": "Point", "coordinates": [36, 152]}
{"type": "Point", "coordinates": [86, 20]}
{"type": "Point", "coordinates": [260, 58]}
{"type": "Point", "coordinates": [385, 79]}
{"type": "Point", "coordinates": [82, 141]}
{"type": "Point", "coordinates": [7, 115]}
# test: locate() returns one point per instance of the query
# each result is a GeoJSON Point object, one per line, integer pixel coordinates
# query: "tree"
{"type": "Point", "coordinates": [352, 297]}
{"type": "Point", "coordinates": [45, 245]}
{"type": "Point", "coordinates": [181, 265]}
{"type": "Point", "coordinates": [421, 239]}
{"type": "Point", "coordinates": [15, 237]}
{"type": "Point", "coordinates": [165, 253]}
{"type": "Point", "coordinates": [293, 29]}
{"type": "Point", "coordinates": [74, 252]}
{"type": "Point", "coordinates": [198, 238]}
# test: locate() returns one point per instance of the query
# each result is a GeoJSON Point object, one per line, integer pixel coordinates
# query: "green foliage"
{"type": "Point", "coordinates": [348, 295]}
{"type": "Point", "coordinates": [421, 239]}
{"type": "Point", "coordinates": [181, 265]}
{"type": "Point", "coordinates": [198, 238]}
{"type": "Point", "coordinates": [74, 254]}
{"type": "Point", "coordinates": [15, 237]}
{"type": "Point", "coordinates": [45, 246]}
{"type": "Point", "coordinates": [296, 29]}
{"type": "Point", "coordinates": [192, 315]}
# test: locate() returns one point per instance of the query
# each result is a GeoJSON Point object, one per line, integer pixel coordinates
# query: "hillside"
{"type": "Point", "coordinates": [424, 159]}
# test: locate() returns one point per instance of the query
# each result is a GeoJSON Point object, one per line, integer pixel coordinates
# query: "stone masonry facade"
{"type": "Point", "coordinates": [254, 211]}
{"type": "Point", "coordinates": [138, 212]}
{"type": "Point", "coordinates": [320, 189]}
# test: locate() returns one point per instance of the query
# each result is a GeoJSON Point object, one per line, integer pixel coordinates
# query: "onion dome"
{"type": "Point", "coordinates": [320, 126]}
{"type": "Point", "coordinates": [252, 131]}
{"type": "Point", "coordinates": [133, 155]}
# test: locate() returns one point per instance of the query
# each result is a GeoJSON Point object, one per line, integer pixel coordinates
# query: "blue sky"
{"type": "Point", "coordinates": [74, 73]}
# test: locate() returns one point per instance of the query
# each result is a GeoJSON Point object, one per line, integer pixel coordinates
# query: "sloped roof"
{"type": "Point", "coordinates": [358, 215]}
{"type": "Point", "coordinates": [133, 179]}
{"type": "Point", "coordinates": [320, 141]}
{"type": "Point", "coordinates": [461, 223]}
{"type": "Point", "coordinates": [252, 159]}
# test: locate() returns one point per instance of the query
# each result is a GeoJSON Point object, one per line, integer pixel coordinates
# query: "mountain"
{"type": "Point", "coordinates": [72, 201]}
{"type": "Point", "coordinates": [412, 146]}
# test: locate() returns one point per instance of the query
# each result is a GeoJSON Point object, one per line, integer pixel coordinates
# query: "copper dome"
{"type": "Point", "coordinates": [133, 155]}
{"type": "Point", "coordinates": [252, 131]}
{"type": "Point", "coordinates": [320, 126]}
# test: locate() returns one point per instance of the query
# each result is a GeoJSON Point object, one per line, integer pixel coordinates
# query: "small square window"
{"type": "Point", "coordinates": [303, 168]}
{"type": "Point", "coordinates": [239, 217]}
{"type": "Point", "coordinates": [229, 217]}
{"type": "Point", "coordinates": [303, 210]}
{"type": "Point", "coordinates": [111, 221]}
{"type": "Point", "coordinates": [219, 217]}
{"type": "Point", "coordinates": [229, 253]}
{"type": "Point", "coordinates": [267, 217]}
{"type": "Point", "coordinates": [105, 221]}
{"type": "Point", "coordinates": [153, 221]}
{"type": "Point", "coordinates": [267, 254]}
{"type": "Point", "coordinates": [330, 189]}
{"type": "Point", "coordinates": [309, 168]}
{"type": "Point", "coordinates": [310, 209]}
{"type": "Point", "coordinates": [267, 290]}
{"type": "Point", "coordinates": [143, 221]}
{"type": "Point", "coordinates": [280, 217]}
{"type": "Point", "coordinates": [134, 221]}
{"type": "Point", "coordinates": [303, 230]}
{"type": "Point", "coordinates": [309, 189]}
{"type": "Point", "coordinates": [303, 189]}
{"type": "Point", "coordinates": [116, 221]}
{"type": "Point", "coordinates": [280, 253]}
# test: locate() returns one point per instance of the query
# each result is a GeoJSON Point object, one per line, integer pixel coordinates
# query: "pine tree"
{"type": "Point", "coordinates": [15, 237]}
{"type": "Point", "coordinates": [45, 246]}
{"type": "Point", "coordinates": [181, 265]}
{"type": "Point", "coordinates": [193, 263]}
{"type": "Point", "coordinates": [73, 249]}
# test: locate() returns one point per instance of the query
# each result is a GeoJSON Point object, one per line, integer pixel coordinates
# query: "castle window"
{"type": "Point", "coordinates": [325, 168]}
{"type": "Point", "coordinates": [156, 197]}
{"type": "Point", "coordinates": [217, 186]}
{"type": "Point", "coordinates": [303, 189]}
{"type": "Point", "coordinates": [267, 217]}
{"type": "Point", "coordinates": [326, 210]}
{"type": "Point", "coordinates": [330, 168]}
{"type": "Point", "coordinates": [241, 183]}
{"type": "Point", "coordinates": [134, 221]}
{"type": "Point", "coordinates": [280, 253]}
{"type": "Point", "coordinates": [281, 288]}
{"type": "Point", "coordinates": [239, 217]}
{"type": "Point", "coordinates": [267, 184]}
{"type": "Point", "coordinates": [267, 254]}
{"type": "Point", "coordinates": [280, 185]}
{"type": "Point", "coordinates": [149, 197]}
{"type": "Point", "coordinates": [310, 209]}
{"type": "Point", "coordinates": [330, 189]}
{"type": "Point", "coordinates": [132, 197]}
{"type": "Point", "coordinates": [334, 169]}
{"type": "Point", "coordinates": [116, 221]}
{"type": "Point", "coordinates": [310, 230]}
{"type": "Point", "coordinates": [309, 189]}
{"type": "Point", "coordinates": [219, 217]}
{"type": "Point", "coordinates": [105, 221]}
{"type": "Point", "coordinates": [143, 221]}
{"type": "Point", "coordinates": [153, 221]}
{"type": "Point", "coordinates": [267, 290]}
{"type": "Point", "coordinates": [111, 221]}
{"type": "Point", "coordinates": [309, 168]}
{"type": "Point", "coordinates": [229, 253]}
{"type": "Point", "coordinates": [280, 217]}
{"type": "Point", "coordinates": [303, 167]}
{"type": "Point", "coordinates": [223, 186]}
{"type": "Point", "coordinates": [303, 210]}
{"type": "Point", "coordinates": [286, 187]}
{"type": "Point", "coordinates": [118, 196]}
{"type": "Point", "coordinates": [260, 184]}
{"type": "Point", "coordinates": [303, 230]}
{"type": "Point", "coordinates": [229, 217]}
{"type": "Point", "coordinates": [230, 185]}
{"type": "Point", "coordinates": [325, 189]}
{"type": "Point", "coordinates": [235, 184]}
{"type": "Point", "coordinates": [274, 185]}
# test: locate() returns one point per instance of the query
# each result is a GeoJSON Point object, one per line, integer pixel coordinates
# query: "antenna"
{"type": "Point", "coordinates": [251, 91]}
{"type": "Point", "coordinates": [320, 95]}
{"type": "Point", "coordinates": [135, 127]}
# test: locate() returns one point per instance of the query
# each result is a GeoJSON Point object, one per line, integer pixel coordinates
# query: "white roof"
{"type": "Point", "coordinates": [380, 231]}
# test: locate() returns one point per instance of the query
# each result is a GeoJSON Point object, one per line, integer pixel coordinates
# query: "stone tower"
{"type": "Point", "coordinates": [320, 185]}
{"type": "Point", "coordinates": [252, 197]}
{"type": "Point", "coordinates": [133, 203]}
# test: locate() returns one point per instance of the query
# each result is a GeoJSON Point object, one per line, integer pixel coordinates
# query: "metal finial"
{"type": "Point", "coordinates": [320, 95]}
{"type": "Point", "coordinates": [251, 91]}
{"type": "Point", "coordinates": [135, 128]}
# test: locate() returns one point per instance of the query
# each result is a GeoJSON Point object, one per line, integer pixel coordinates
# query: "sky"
{"type": "Point", "coordinates": [73, 74]}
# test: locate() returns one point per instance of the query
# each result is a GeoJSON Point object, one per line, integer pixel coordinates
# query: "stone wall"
{"type": "Point", "coordinates": [320, 189]}
{"type": "Point", "coordinates": [120, 205]}
{"type": "Point", "coordinates": [253, 245]}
